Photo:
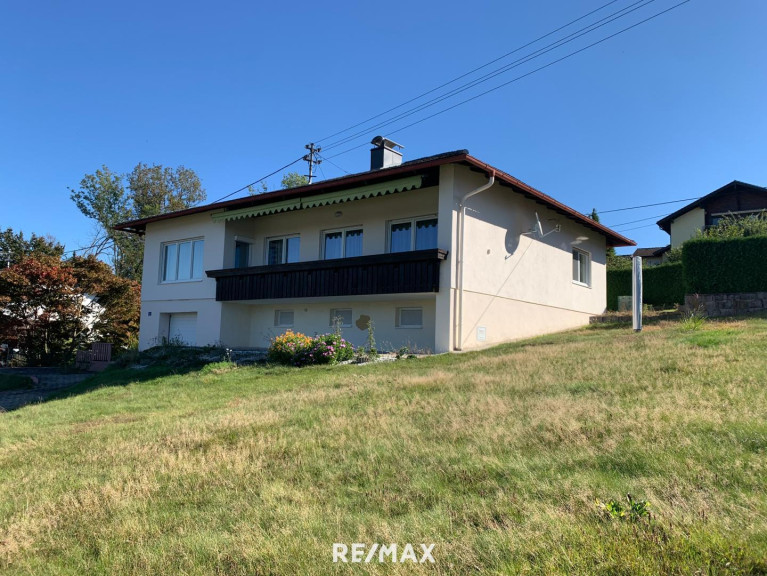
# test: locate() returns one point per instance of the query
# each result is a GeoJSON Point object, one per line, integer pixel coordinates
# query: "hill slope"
{"type": "Point", "coordinates": [496, 457]}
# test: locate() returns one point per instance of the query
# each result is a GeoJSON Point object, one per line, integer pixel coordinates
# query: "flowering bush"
{"type": "Point", "coordinates": [300, 350]}
{"type": "Point", "coordinates": [325, 349]}
{"type": "Point", "coordinates": [286, 346]}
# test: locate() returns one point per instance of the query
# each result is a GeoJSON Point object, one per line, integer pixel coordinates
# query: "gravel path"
{"type": "Point", "coordinates": [49, 381]}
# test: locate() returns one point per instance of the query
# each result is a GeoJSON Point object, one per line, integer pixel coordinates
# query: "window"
{"type": "Point", "coordinates": [581, 267]}
{"type": "Point", "coordinates": [409, 318]}
{"type": "Point", "coordinates": [182, 261]}
{"type": "Point", "coordinates": [342, 316]}
{"type": "Point", "coordinates": [283, 250]}
{"type": "Point", "coordinates": [283, 318]}
{"type": "Point", "coordinates": [241, 254]}
{"type": "Point", "coordinates": [413, 234]}
{"type": "Point", "coordinates": [342, 243]}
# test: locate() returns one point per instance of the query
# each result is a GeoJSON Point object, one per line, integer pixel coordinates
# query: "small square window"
{"type": "Point", "coordinates": [283, 318]}
{"type": "Point", "coordinates": [581, 267]}
{"type": "Point", "coordinates": [409, 318]}
{"type": "Point", "coordinates": [341, 317]}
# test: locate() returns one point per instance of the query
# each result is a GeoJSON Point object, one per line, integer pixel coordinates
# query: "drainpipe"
{"type": "Point", "coordinates": [458, 344]}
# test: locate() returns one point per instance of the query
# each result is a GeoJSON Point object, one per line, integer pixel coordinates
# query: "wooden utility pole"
{"type": "Point", "coordinates": [311, 160]}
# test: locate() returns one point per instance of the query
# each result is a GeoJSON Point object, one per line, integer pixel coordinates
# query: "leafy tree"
{"type": "Point", "coordinates": [39, 309]}
{"type": "Point", "coordinates": [151, 190]}
{"type": "Point", "coordinates": [14, 247]}
{"type": "Point", "coordinates": [115, 302]}
{"type": "Point", "coordinates": [731, 226]}
{"type": "Point", "coordinates": [294, 180]}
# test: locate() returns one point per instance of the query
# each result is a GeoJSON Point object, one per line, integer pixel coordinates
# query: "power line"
{"type": "Point", "coordinates": [647, 205]}
{"type": "Point", "coordinates": [636, 228]}
{"type": "Point", "coordinates": [635, 221]}
{"type": "Point", "coordinates": [498, 71]}
{"type": "Point", "coordinates": [259, 180]}
{"type": "Point", "coordinates": [470, 72]}
{"type": "Point", "coordinates": [571, 54]}
{"type": "Point", "coordinates": [334, 164]}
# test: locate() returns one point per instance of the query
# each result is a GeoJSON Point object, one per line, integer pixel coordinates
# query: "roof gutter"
{"type": "Point", "coordinates": [458, 343]}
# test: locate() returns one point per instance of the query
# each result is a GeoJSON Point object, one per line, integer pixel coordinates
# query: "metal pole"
{"type": "Point", "coordinates": [636, 292]}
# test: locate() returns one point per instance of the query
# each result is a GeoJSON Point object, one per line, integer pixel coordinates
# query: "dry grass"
{"type": "Point", "coordinates": [497, 457]}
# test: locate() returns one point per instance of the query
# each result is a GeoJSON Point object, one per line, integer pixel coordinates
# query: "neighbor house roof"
{"type": "Point", "coordinates": [651, 252]}
{"type": "Point", "coordinates": [665, 223]}
{"type": "Point", "coordinates": [378, 176]}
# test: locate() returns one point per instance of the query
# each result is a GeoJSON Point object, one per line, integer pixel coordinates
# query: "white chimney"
{"type": "Point", "coordinates": [384, 155]}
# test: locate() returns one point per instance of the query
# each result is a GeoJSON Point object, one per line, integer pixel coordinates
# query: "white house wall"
{"type": "Point", "coordinates": [371, 214]}
{"type": "Point", "coordinates": [686, 226]}
{"type": "Point", "coordinates": [158, 299]}
{"type": "Point", "coordinates": [314, 318]}
{"type": "Point", "coordinates": [517, 285]}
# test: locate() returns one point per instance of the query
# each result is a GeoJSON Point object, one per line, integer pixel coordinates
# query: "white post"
{"type": "Point", "coordinates": [636, 292]}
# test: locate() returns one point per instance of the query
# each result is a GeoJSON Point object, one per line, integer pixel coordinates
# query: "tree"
{"type": "Point", "coordinates": [613, 261]}
{"type": "Point", "coordinates": [39, 309]}
{"type": "Point", "coordinates": [294, 180]}
{"type": "Point", "coordinates": [115, 302]}
{"type": "Point", "coordinates": [151, 190]}
{"type": "Point", "coordinates": [14, 247]}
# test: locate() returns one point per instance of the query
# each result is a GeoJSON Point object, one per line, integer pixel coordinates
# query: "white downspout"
{"type": "Point", "coordinates": [458, 344]}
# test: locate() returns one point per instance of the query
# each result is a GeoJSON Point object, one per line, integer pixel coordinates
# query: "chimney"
{"type": "Point", "coordinates": [384, 155]}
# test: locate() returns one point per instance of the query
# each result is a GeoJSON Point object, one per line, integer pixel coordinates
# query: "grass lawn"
{"type": "Point", "coordinates": [496, 457]}
{"type": "Point", "coordinates": [14, 382]}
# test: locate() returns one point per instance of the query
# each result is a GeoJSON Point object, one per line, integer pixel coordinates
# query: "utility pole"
{"type": "Point", "coordinates": [310, 158]}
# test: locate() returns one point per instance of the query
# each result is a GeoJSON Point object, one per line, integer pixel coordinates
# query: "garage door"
{"type": "Point", "coordinates": [183, 327]}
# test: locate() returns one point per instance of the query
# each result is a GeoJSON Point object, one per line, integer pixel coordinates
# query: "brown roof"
{"type": "Point", "coordinates": [373, 176]}
{"type": "Point", "coordinates": [651, 252]}
{"type": "Point", "coordinates": [665, 223]}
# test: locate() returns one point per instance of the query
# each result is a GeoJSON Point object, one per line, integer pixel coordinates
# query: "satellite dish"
{"type": "Point", "coordinates": [537, 229]}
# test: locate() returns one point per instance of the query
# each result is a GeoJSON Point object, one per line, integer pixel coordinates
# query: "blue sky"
{"type": "Point", "coordinates": [671, 109]}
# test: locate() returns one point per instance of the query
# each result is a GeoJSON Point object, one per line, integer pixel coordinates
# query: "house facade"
{"type": "Point", "coordinates": [738, 199]}
{"type": "Point", "coordinates": [443, 253]}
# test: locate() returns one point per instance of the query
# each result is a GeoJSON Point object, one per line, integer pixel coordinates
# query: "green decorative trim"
{"type": "Point", "coordinates": [401, 185]}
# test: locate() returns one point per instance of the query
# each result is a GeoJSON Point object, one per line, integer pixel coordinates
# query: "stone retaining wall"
{"type": "Point", "coordinates": [715, 305]}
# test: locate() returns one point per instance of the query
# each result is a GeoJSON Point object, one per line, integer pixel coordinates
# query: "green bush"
{"type": "Point", "coordinates": [662, 285]}
{"type": "Point", "coordinates": [296, 349]}
{"type": "Point", "coordinates": [718, 265]}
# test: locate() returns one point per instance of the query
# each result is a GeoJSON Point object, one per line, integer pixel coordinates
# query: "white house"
{"type": "Point", "coordinates": [442, 253]}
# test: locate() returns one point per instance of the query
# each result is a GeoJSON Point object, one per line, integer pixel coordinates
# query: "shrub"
{"type": "Point", "coordinates": [717, 265]}
{"type": "Point", "coordinates": [286, 346]}
{"type": "Point", "coordinates": [662, 285]}
{"type": "Point", "coordinates": [324, 349]}
{"type": "Point", "coordinates": [296, 349]}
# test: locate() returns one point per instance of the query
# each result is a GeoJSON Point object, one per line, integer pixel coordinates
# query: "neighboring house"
{"type": "Point", "coordinates": [651, 256]}
{"type": "Point", "coordinates": [736, 199]}
{"type": "Point", "coordinates": [387, 245]}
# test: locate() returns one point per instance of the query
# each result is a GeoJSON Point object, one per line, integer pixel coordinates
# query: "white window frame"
{"type": "Point", "coordinates": [334, 314]}
{"type": "Point", "coordinates": [343, 232]}
{"type": "Point", "coordinates": [278, 318]}
{"type": "Point", "coordinates": [398, 318]}
{"type": "Point", "coordinates": [284, 240]}
{"type": "Point", "coordinates": [579, 281]}
{"type": "Point", "coordinates": [178, 244]}
{"type": "Point", "coordinates": [413, 222]}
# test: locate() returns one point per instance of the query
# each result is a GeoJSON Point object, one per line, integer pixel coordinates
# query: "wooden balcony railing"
{"type": "Point", "coordinates": [403, 272]}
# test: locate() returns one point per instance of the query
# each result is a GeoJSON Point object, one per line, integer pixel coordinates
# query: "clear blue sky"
{"type": "Point", "coordinates": [672, 109]}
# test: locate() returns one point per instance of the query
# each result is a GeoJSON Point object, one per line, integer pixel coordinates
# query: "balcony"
{"type": "Point", "coordinates": [400, 273]}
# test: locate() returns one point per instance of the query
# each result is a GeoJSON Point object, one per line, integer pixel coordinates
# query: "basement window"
{"type": "Point", "coordinates": [342, 316]}
{"type": "Point", "coordinates": [409, 318]}
{"type": "Point", "coordinates": [283, 318]}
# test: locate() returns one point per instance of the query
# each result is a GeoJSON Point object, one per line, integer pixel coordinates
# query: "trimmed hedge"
{"type": "Point", "coordinates": [719, 265]}
{"type": "Point", "coordinates": [662, 285]}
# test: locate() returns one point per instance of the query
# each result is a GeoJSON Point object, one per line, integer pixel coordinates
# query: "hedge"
{"type": "Point", "coordinates": [661, 285]}
{"type": "Point", "coordinates": [719, 265]}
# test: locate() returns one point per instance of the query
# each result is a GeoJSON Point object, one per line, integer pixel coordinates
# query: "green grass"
{"type": "Point", "coordinates": [498, 457]}
{"type": "Point", "coordinates": [15, 382]}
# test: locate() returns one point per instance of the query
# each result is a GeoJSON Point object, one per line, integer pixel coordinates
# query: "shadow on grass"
{"type": "Point", "coordinates": [145, 366]}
